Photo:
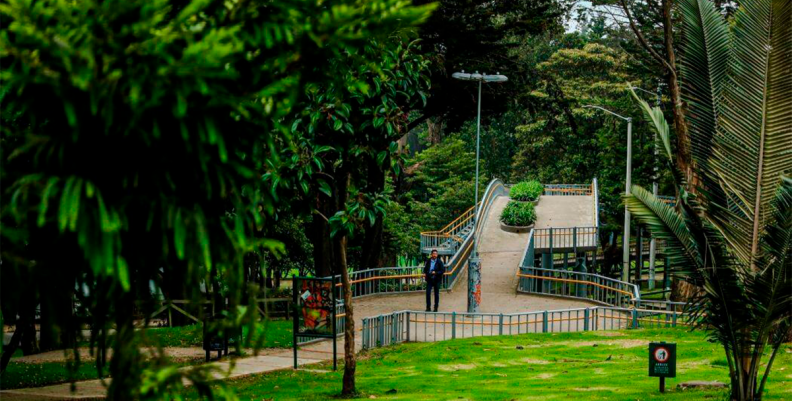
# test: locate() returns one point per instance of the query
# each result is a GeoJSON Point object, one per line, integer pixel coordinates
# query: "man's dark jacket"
{"type": "Point", "coordinates": [439, 270]}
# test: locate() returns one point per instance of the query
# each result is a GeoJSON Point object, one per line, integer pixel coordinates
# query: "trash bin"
{"type": "Point", "coordinates": [218, 338]}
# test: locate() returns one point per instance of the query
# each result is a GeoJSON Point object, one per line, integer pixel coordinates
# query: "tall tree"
{"type": "Point", "coordinates": [477, 35]}
{"type": "Point", "coordinates": [139, 128]}
{"type": "Point", "coordinates": [344, 141]}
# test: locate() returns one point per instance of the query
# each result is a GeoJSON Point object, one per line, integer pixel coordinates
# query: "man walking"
{"type": "Point", "coordinates": [433, 272]}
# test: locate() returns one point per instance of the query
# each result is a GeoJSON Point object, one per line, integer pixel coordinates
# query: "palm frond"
{"type": "Point", "coordinates": [771, 285]}
{"type": "Point", "coordinates": [654, 116]}
{"type": "Point", "coordinates": [703, 74]}
{"type": "Point", "coordinates": [754, 140]}
{"type": "Point", "coordinates": [666, 224]}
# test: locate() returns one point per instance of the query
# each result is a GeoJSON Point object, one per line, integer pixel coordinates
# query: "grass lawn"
{"type": "Point", "coordinates": [20, 374]}
{"type": "Point", "coordinates": [590, 366]}
{"type": "Point", "coordinates": [277, 334]}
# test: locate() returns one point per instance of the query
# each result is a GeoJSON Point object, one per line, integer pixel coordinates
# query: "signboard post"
{"type": "Point", "coordinates": [662, 361]}
{"type": "Point", "coordinates": [315, 314]}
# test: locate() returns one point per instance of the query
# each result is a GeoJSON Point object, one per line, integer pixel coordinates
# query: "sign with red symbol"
{"type": "Point", "coordinates": [662, 360]}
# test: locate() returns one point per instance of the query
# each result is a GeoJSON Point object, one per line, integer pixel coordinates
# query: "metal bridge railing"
{"type": "Point", "coordinates": [403, 326]}
{"type": "Point", "coordinates": [570, 238]}
{"type": "Point", "coordinates": [394, 280]}
{"type": "Point", "coordinates": [572, 284]}
{"type": "Point", "coordinates": [451, 236]}
{"type": "Point", "coordinates": [568, 189]}
{"type": "Point", "coordinates": [669, 200]}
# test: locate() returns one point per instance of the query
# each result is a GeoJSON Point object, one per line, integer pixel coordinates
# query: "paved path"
{"type": "Point", "coordinates": [500, 255]}
{"type": "Point", "coordinates": [565, 211]}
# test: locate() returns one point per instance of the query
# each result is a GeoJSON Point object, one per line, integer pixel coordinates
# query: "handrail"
{"type": "Point", "coordinates": [668, 200]}
{"type": "Point", "coordinates": [566, 237]}
{"type": "Point", "coordinates": [567, 189]}
{"type": "Point", "coordinates": [434, 239]}
{"type": "Point", "coordinates": [467, 212]}
{"type": "Point", "coordinates": [387, 280]}
{"type": "Point", "coordinates": [495, 186]}
{"type": "Point", "coordinates": [418, 326]}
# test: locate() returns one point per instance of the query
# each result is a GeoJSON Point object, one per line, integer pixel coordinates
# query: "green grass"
{"type": "Point", "coordinates": [549, 367]}
{"type": "Point", "coordinates": [19, 374]}
{"type": "Point", "coordinates": [277, 334]}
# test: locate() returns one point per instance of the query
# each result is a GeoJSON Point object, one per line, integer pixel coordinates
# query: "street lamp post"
{"type": "Point", "coordinates": [627, 184]}
{"type": "Point", "coordinates": [655, 176]}
{"type": "Point", "coordinates": [474, 263]}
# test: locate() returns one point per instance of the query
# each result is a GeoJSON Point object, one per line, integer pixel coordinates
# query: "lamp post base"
{"type": "Point", "coordinates": [474, 284]}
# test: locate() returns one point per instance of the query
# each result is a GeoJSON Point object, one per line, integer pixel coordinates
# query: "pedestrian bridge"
{"type": "Point", "coordinates": [530, 282]}
{"type": "Point", "coordinates": [555, 258]}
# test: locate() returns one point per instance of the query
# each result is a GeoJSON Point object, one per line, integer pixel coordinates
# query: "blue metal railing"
{"type": "Point", "coordinates": [566, 238]}
{"type": "Point", "coordinates": [404, 326]}
{"type": "Point", "coordinates": [579, 285]}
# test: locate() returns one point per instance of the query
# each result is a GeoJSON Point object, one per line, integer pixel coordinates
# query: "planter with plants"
{"type": "Point", "coordinates": [526, 191]}
{"type": "Point", "coordinates": [518, 217]}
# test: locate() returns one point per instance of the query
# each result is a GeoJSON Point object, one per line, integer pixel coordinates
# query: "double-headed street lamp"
{"type": "Point", "coordinates": [627, 183]}
{"type": "Point", "coordinates": [474, 263]}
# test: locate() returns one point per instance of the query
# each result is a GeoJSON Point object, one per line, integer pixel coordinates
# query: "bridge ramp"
{"type": "Point", "coordinates": [565, 211]}
{"type": "Point", "coordinates": [501, 253]}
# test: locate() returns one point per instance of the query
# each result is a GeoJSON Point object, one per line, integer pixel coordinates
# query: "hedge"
{"type": "Point", "coordinates": [526, 191]}
{"type": "Point", "coordinates": [518, 214]}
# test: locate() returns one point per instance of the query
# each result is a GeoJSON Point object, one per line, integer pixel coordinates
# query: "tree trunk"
{"type": "Point", "coordinates": [320, 237]}
{"type": "Point", "coordinates": [124, 385]}
{"type": "Point", "coordinates": [12, 346]}
{"type": "Point", "coordinates": [348, 387]}
{"type": "Point", "coordinates": [434, 129]}
{"type": "Point", "coordinates": [682, 291]}
{"type": "Point", "coordinates": [372, 243]}
{"type": "Point", "coordinates": [683, 159]}
{"type": "Point", "coordinates": [27, 320]}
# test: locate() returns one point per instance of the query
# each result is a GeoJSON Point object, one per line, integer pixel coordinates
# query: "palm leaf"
{"type": "Point", "coordinates": [754, 139]}
{"type": "Point", "coordinates": [666, 224]}
{"type": "Point", "coordinates": [771, 285]}
{"type": "Point", "coordinates": [703, 72]}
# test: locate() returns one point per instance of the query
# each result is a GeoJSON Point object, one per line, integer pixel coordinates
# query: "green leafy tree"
{"type": "Point", "coordinates": [731, 234]}
{"type": "Point", "coordinates": [438, 187]}
{"type": "Point", "coordinates": [350, 130]}
{"type": "Point", "coordinates": [136, 133]}
{"type": "Point", "coordinates": [474, 35]}
{"type": "Point", "coordinates": [563, 142]}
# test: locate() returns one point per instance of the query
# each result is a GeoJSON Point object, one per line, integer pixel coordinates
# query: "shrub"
{"type": "Point", "coordinates": [526, 191]}
{"type": "Point", "coordinates": [518, 214]}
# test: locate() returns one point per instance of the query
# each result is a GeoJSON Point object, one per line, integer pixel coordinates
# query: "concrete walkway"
{"type": "Point", "coordinates": [500, 253]}
{"type": "Point", "coordinates": [266, 361]}
{"type": "Point", "coordinates": [565, 211]}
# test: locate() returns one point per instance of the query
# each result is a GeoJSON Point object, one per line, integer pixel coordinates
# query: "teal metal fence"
{"type": "Point", "coordinates": [403, 326]}
{"type": "Point", "coordinates": [569, 239]}
{"type": "Point", "coordinates": [572, 284]}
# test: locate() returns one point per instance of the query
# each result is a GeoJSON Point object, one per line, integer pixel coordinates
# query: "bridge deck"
{"type": "Point", "coordinates": [560, 212]}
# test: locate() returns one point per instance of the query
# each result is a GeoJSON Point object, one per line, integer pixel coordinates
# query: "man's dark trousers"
{"type": "Point", "coordinates": [430, 285]}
